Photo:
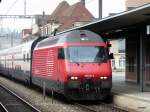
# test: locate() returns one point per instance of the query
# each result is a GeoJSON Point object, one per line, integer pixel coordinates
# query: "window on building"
{"type": "Point", "coordinates": [121, 45]}
{"type": "Point", "coordinates": [122, 61]}
{"type": "Point", "coordinates": [27, 57]}
{"type": "Point", "coordinates": [24, 57]}
{"type": "Point", "coordinates": [131, 63]}
{"type": "Point", "coordinates": [113, 63]}
{"type": "Point", "coordinates": [77, 24]}
{"type": "Point", "coordinates": [19, 67]}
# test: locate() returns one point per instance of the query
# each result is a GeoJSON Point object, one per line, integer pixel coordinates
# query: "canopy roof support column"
{"type": "Point", "coordinates": [142, 63]}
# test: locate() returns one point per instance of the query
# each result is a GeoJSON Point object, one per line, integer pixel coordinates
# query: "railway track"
{"type": "Point", "coordinates": [2, 108]}
{"type": "Point", "coordinates": [11, 102]}
{"type": "Point", "coordinates": [102, 107]}
{"type": "Point", "coordinates": [82, 106]}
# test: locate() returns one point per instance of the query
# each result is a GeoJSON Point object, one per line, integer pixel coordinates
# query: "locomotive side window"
{"type": "Point", "coordinates": [61, 54]}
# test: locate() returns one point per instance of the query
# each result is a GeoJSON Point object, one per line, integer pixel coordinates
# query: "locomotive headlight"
{"type": "Point", "coordinates": [73, 78]}
{"type": "Point", "coordinates": [103, 77]}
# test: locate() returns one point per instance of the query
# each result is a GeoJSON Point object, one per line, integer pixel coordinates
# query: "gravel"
{"type": "Point", "coordinates": [36, 98]}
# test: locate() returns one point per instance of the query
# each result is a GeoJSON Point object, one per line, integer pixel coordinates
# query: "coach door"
{"type": "Point", "coordinates": [131, 63]}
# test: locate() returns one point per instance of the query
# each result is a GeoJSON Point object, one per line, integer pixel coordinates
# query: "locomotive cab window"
{"type": "Point", "coordinates": [87, 54]}
{"type": "Point", "coordinates": [61, 54]}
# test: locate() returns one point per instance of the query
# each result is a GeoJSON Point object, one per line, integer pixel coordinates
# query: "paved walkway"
{"type": "Point", "coordinates": [120, 85]}
{"type": "Point", "coordinates": [128, 95]}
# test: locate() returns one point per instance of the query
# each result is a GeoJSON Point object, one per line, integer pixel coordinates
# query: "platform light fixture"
{"type": "Point", "coordinates": [148, 29]}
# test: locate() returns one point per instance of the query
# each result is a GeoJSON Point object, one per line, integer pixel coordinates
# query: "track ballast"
{"type": "Point", "coordinates": [13, 103]}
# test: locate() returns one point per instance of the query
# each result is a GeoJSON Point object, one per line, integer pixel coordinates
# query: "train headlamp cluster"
{"type": "Point", "coordinates": [73, 78]}
{"type": "Point", "coordinates": [104, 77]}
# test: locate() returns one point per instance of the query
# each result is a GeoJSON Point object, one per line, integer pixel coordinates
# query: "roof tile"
{"type": "Point", "coordinates": [67, 15]}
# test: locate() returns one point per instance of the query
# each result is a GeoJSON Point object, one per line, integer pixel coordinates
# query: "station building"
{"type": "Point", "coordinates": [132, 50]}
{"type": "Point", "coordinates": [134, 26]}
{"type": "Point", "coordinates": [131, 4]}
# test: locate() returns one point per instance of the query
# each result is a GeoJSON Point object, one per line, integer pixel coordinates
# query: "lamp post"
{"type": "Point", "coordinates": [43, 22]}
{"type": "Point", "coordinates": [24, 7]}
{"type": "Point", "coordinates": [100, 8]}
{"type": "Point", "coordinates": [12, 39]}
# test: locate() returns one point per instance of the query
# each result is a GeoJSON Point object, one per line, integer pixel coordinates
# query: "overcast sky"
{"type": "Point", "coordinates": [16, 7]}
{"type": "Point", "coordinates": [37, 6]}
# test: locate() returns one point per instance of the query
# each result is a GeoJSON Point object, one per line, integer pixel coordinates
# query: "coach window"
{"type": "Point", "coordinates": [61, 54]}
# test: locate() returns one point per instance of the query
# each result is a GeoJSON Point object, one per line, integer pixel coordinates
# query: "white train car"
{"type": "Point", "coordinates": [16, 61]}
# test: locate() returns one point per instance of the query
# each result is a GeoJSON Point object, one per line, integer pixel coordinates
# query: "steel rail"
{"type": "Point", "coordinates": [85, 107]}
{"type": "Point", "coordinates": [103, 105]}
{"type": "Point", "coordinates": [2, 108]}
{"type": "Point", "coordinates": [21, 99]}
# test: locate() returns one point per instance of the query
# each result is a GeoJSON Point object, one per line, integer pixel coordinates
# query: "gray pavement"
{"type": "Point", "coordinates": [128, 95]}
{"type": "Point", "coordinates": [120, 85]}
{"type": "Point", "coordinates": [118, 76]}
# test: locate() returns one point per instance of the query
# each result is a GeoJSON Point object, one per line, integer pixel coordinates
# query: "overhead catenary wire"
{"type": "Point", "coordinates": [12, 5]}
{"type": "Point", "coordinates": [88, 1]}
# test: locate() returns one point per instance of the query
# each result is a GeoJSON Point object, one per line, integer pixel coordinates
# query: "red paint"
{"type": "Point", "coordinates": [46, 64]}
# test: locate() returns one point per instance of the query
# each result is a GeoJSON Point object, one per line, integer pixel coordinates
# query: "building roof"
{"type": "Point", "coordinates": [79, 11]}
{"type": "Point", "coordinates": [121, 21]}
{"type": "Point", "coordinates": [136, 3]}
{"type": "Point", "coordinates": [60, 8]}
{"type": "Point", "coordinates": [66, 15]}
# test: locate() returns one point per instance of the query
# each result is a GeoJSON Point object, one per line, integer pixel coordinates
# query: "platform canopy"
{"type": "Point", "coordinates": [139, 15]}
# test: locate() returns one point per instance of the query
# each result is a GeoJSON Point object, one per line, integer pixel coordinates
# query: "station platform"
{"type": "Point", "coordinates": [128, 95]}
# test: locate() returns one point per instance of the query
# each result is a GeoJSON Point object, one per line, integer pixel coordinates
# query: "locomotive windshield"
{"type": "Point", "coordinates": [87, 54]}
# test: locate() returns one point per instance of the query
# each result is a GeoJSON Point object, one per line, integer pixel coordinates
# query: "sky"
{"type": "Point", "coordinates": [37, 6]}
{"type": "Point", "coordinates": [16, 7]}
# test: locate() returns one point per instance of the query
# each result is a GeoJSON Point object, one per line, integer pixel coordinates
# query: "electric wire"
{"type": "Point", "coordinates": [88, 1]}
{"type": "Point", "coordinates": [13, 4]}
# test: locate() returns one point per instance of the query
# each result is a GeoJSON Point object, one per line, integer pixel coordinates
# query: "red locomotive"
{"type": "Point", "coordinates": [75, 64]}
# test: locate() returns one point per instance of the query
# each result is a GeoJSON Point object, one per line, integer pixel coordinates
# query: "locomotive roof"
{"type": "Point", "coordinates": [75, 36]}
